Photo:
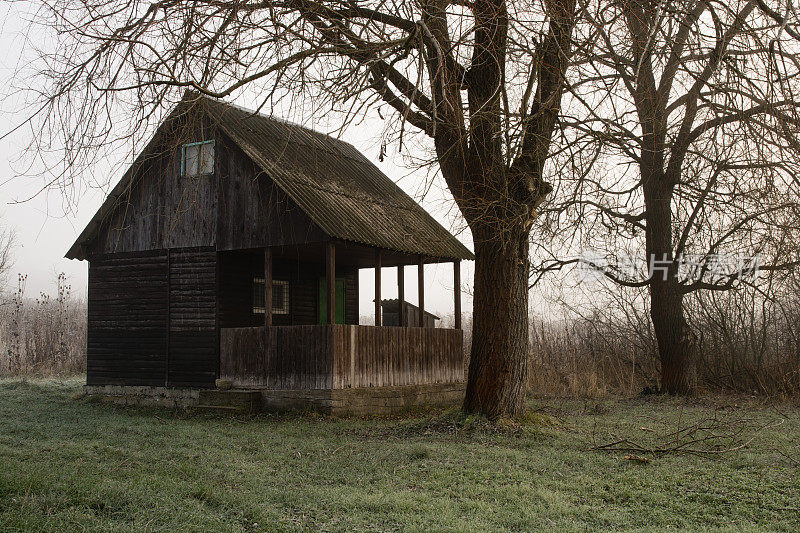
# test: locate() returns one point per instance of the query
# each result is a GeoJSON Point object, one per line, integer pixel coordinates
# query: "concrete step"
{"type": "Point", "coordinates": [234, 399]}
{"type": "Point", "coordinates": [221, 409]}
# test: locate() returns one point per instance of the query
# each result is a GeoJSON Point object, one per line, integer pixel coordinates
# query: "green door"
{"type": "Point", "coordinates": [323, 301]}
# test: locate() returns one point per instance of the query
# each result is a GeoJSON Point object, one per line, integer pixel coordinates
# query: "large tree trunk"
{"type": "Point", "coordinates": [499, 201]}
{"type": "Point", "coordinates": [676, 346]}
{"type": "Point", "coordinates": [497, 381]}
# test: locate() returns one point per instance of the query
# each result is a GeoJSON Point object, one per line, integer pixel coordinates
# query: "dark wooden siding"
{"type": "Point", "coordinates": [351, 297]}
{"type": "Point", "coordinates": [236, 272]}
{"type": "Point", "coordinates": [152, 319]}
{"type": "Point", "coordinates": [279, 357]}
{"type": "Point", "coordinates": [253, 211]}
{"type": "Point", "coordinates": [127, 322]}
{"type": "Point", "coordinates": [193, 355]}
{"type": "Point", "coordinates": [162, 209]}
{"type": "Point", "coordinates": [236, 208]}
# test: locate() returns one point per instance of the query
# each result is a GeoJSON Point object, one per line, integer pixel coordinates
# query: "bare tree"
{"type": "Point", "coordinates": [482, 79]}
{"type": "Point", "coordinates": [688, 110]}
{"type": "Point", "coordinates": [7, 239]}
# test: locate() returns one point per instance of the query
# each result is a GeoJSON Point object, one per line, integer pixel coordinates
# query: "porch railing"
{"type": "Point", "coordinates": [340, 356]}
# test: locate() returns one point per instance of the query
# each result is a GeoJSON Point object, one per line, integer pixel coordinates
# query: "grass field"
{"type": "Point", "coordinates": [68, 464]}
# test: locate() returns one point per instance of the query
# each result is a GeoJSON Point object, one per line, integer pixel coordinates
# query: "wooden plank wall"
{"type": "Point", "coordinates": [127, 319]}
{"type": "Point", "coordinates": [368, 356]}
{"type": "Point", "coordinates": [242, 356]}
{"type": "Point", "coordinates": [237, 207]}
{"type": "Point", "coordinates": [236, 272]}
{"type": "Point", "coordinates": [162, 209]}
{"type": "Point", "coordinates": [340, 356]}
{"type": "Point", "coordinates": [193, 359]}
{"type": "Point", "coordinates": [299, 357]}
{"type": "Point", "coordinates": [252, 211]}
{"type": "Point", "coordinates": [278, 357]}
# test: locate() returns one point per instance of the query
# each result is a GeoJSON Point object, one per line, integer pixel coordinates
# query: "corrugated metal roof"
{"type": "Point", "coordinates": [346, 195]}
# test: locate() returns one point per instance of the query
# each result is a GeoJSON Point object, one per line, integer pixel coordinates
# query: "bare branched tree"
{"type": "Point", "coordinates": [689, 112]}
{"type": "Point", "coordinates": [483, 79]}
{"type": "Point", "coordinates": [7, 239]}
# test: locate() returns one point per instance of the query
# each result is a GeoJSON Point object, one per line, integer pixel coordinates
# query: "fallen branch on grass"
{"type": "Point", "coordinates": [709, 438]}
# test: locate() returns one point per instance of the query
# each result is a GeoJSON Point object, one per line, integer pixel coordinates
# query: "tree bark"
{"type": "Point", "coordinates": [498, 366]}
{"type": "Point", "coordinates": [676, 346]}
{"type": "Point", "coordinates": [499, 201]}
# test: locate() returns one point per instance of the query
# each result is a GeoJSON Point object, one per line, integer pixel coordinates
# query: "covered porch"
{"type": "Point", "coordinates": [332, 351]}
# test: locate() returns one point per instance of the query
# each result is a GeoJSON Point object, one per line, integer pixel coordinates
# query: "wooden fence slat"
{"type": "Point", "coordinates": [340, 356]}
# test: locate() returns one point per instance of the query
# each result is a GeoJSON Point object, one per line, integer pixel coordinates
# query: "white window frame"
{"type": "Point", "coordinates": [284, 309]}
{"type": "Point", "coordinates": [197, 172]}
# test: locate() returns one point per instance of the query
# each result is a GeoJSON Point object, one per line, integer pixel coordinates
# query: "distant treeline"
{"type": "Point", "coordinates": [748, 340]}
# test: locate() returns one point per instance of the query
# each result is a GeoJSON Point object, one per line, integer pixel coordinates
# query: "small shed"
{"type": "Point", "coordinates": [231, 248]}
{"type": "Point", "coordinates": [392, 310]}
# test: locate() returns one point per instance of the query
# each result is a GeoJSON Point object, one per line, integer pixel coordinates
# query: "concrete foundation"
{"type": "Point", "coordinates": [355, 401]}
{"type": "Point", "coordinates": [144, 396]}
{"type": "Point", "coordinates": [365, 400]}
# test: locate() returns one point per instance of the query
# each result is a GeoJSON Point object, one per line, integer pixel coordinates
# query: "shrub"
{"type": "Point", "coordinates": [45, 335]}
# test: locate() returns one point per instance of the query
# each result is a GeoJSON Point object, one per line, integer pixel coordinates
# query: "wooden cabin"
{"type": "Point", "coordinates": [231, 249]}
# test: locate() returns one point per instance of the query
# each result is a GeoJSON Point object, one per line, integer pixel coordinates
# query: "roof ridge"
{"type": "Point", "coordinates": [286, 122]}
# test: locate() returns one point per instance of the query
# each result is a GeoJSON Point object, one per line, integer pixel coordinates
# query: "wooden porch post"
{"type": "Point", "coordinates": [401, 294]}
{"type": "Point", "coordinates": [421, 290]}
{"type": "Point", "coordinates": [457, 292]}
{"type": "Point", "coordinates": [377, 287]}
{"type": "Point", "coordinates": [267, 286]}
{"type": "Point", "coordinates": [330, 276]}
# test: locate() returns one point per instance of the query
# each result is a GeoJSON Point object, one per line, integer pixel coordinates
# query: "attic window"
{"type": "Point", "coordinates": [197, 159]}
{"type": "Point", "coordinates": [280, 296]}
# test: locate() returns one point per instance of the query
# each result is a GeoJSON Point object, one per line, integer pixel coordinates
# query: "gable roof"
{"type": "Point", "coordinates": [342, 192]}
